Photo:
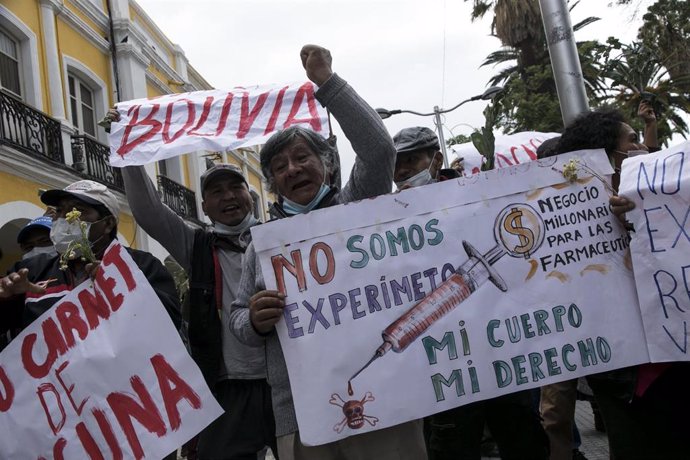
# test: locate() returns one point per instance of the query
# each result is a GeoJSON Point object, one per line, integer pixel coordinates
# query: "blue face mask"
{"type": "Point", "coordinates": [292, 208]}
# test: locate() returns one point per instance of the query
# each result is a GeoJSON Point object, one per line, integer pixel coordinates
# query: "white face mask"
{"type": "Point", "coordinates": [40, 250]}
{"type": "Point", "coordinates": [62, 233]}
{"type": "Point", "coordinates": [234, 230]}
{"type": "Point", "coordinates": [421, 178]}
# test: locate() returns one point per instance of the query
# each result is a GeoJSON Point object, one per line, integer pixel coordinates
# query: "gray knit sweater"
{"type": "Point", "coordinates": [371, 175]}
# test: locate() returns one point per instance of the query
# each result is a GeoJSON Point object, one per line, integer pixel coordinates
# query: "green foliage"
{"type": "Point", "coordinates": [459, 139]}
{"type": "Point", "coordinates": [483, 138]}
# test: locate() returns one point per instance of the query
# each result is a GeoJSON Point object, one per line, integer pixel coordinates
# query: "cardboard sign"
{"type": "Point", "coordinates": [416, 302]}
{"type": "Point", "coordinates": [158, 128]}
{"type": "Point", "coordinates": [102, 374]}
{"type": "Point", "coordinates": [659, 185]}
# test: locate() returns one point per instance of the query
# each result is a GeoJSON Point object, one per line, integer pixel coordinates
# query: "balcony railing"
{"type": "Point", "coordinates": [178, 198]}
{"type": "Point", "coordinates": [91, 161]}
{"type": "Point", "coordinates": [29, 130]}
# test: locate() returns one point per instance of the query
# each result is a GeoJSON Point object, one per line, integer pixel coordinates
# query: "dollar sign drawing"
{"type": "Point", "coordinates": [513, 225]}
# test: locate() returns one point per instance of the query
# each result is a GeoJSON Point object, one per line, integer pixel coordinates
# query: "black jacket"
{"type": "Point", "coordinates": [16, 314]}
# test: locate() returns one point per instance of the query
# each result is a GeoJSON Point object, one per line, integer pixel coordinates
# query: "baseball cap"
{"type": "Point", "coordinates": [39, 222]}
{"type": "Point", "coordinates": [416, 138]}
{"type": "Point", "coordinates": [88, 191]}
{"type": "Point", "coordinates": [219, 170]}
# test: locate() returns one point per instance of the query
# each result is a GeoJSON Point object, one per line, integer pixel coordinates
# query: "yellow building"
{"type": "Point", "coordinates": [59, 73]}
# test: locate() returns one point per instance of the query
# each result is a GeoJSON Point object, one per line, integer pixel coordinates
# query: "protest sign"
{"type": "Point", "coordinates": [659, 185]}
{"type": "Point", "coordinates": [158, 128]}
{"type": "Point", "coordinates": [413, 303]}
{"type": "Point", "coordinates": [102, 374]}
{"type": "Point", "coordinates": [511, 149]}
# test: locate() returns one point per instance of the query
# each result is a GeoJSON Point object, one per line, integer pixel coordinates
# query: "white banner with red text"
{"type": "Point", "coordinates": [102, 374]}
{"type": "Point", "coordinates": [510, 150]}
{"type": "Point", "coordinates": [659, 185]}
{"type": "Point", "coordinates": [157, 128]}
{"type": "Point", "coordinates": [413, 303]}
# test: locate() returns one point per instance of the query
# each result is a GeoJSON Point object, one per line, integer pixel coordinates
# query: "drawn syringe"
{"type": "Point", "coordinates": [466, 279]}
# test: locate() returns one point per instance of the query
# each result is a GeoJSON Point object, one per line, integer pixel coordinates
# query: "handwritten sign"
{"type": "Point", "coordinates": [416, 302]}
{"type": "Point", "coordinates": [103, 374]}
{"type": "Point", "coordinates": [511, 149]}
{"type": "Point", "coordinates": [163, 127]}
{"type": "Point", "coordinates": [659, 185]}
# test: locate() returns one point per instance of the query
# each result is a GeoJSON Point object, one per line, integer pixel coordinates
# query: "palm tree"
{"type": "Point", "coordinates": [633, 70]}
{"type": "Point", "coordinates": [517, 23]}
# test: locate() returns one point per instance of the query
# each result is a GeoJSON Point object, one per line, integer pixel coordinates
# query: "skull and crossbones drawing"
{"type": "Point", "coordinates": [354, 412]}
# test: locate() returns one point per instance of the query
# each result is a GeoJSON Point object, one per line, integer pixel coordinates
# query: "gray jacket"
{"type": "Point", "coordinates": [371, 175]}
{"type": "Point", "coordinates": [172, 232]}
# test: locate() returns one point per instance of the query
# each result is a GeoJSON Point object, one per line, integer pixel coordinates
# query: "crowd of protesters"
{"type": "Point", "coordinates": [645, 410]}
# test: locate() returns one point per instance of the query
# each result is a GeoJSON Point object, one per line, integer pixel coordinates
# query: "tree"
{"type": "Point", "coordinates": [666, 31]}
{"type": "Point", "coordinates": [636, 71]}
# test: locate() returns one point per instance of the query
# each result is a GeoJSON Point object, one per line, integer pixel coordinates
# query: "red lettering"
{"type": "Point", "coordinates": [276, 111]}
{"type": "Point", "coordinates": [202, 119]}
{"type": "Point", "coordinates": [114, 257]}
{"type": "Point", "coordinates": [314, 263]}
{"type": "Point", "coordinates": [87, 441]}
{"type": "Point", "coordinates": [70, 320]}
{"type": "Point", "coordinates": [55, 344]}
{"type": "Point", "coordinates": [172, 394]}
{"type": "Point", "coordinates": [295, 269]}
{"type": "Point", "coordinates": [107, 285]}
{"type": "Point", "coordinates": [108, 434]}
{"type": "Point", "coordinates": [125, 407]}
{"type": "Point", "coordinates": [126, 146]}
{"type": "Point", "coordinates": [41, 391]}
{"type": "Point", "coordinates": [191, 113]}
{"type": "Point", "coordinates": [224, 113]}
{"type": "Point", "coordinates": [247, 119]}
{"type": "Point", "coordinates": [69, 390]}
{"type": "Point", "coordinates": [95, 306]}
{"type": "Point", "coordinates": [500, 159]}
{"type": "Point", "coordinates": [304, 91]}
{"type": "Point", "coordinates": [7, 395]}
{"type": "Point", "coordinates": [531, 154]}
{"type": "Point", "coordinates": [58, 449]}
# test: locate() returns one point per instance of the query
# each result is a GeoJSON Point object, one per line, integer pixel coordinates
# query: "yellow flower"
{"type": "Point", "coordinates": [570, 170]}
{"type": "Point", "coordinates": [73, 215]}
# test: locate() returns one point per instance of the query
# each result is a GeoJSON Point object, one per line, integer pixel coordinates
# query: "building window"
{"type": "Point", "coordinates": [257, 204]}
{"type": "Point", "coordinates": [82, 105]}
{"type": "Point", "coordinates": [10, 79]}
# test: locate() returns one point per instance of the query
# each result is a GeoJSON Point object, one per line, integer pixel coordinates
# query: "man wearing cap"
{"type": "Point", "coordinates": [24, 295]}
{"type": "Point", "coordinates": [212, 258]}
{"type": "Point", "coordinates": [457, 433]}
{"type": "Point", "coordinates": [300, 166]}
{"type": "Point", "coordinates": [34, 238]}
{"type": "Point", "coordinates": [419, 159]}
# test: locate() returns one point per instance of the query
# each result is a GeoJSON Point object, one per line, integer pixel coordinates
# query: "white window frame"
{"type": "Point", "coordinates": [77, 97]}
{"type": "Point", "coordinates": [18, 59]}
{"type": "Point", "coordinates": [98, 88]}
{"type": "Point", "coordinates": [27, 51]}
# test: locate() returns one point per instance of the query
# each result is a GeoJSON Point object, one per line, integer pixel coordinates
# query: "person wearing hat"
{"type": "Point", "coordinates": [34, 238]}
{"type": "Point", "coordinates": [42, 277]}
{"type": "Point", "coordinates": [419, 159]}
{"type": "Point", "coordinates": [212, 258]}
{"type": "Point", "coordinates": [299, 167]}
{"type": "Point", "coordinates": [457, 433]}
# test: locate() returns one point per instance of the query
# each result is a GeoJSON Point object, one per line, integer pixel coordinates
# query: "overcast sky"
{"type": "Point", "coordinates": [397, 54]}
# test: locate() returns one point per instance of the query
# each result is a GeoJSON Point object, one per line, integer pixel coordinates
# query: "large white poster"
{"type": "Point", "coordinates": [158, 128]}
{"type": "Point", "coordinates": [416, 302]}
{"type": "Point", "coordinates": [103, 374]}
{"type": "Point", "coordinates": [659, 185]}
